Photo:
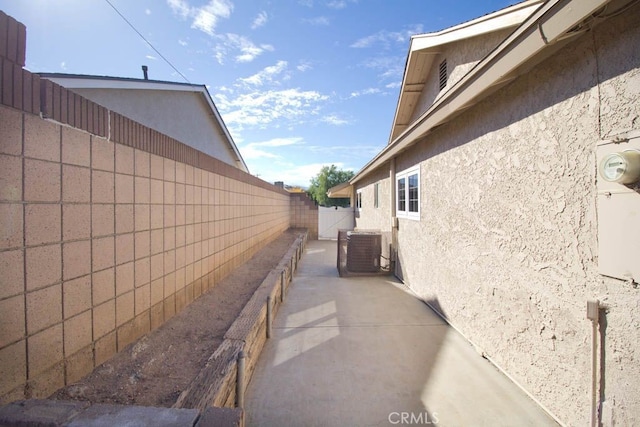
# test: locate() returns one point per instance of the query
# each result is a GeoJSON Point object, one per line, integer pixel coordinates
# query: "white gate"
{"type": "Point", "coordinates": [332, 219]}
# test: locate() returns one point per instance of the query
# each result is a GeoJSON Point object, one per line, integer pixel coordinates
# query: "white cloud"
{"type": "Point", "coordinates": [304, 66]}
{"type": "Point", "coordinates": [279, 142]}
{"type": "Point", "coordinates": [290, 173]}
{"type": "Point", "coordinates": [337, 4]}
{"type": "Point", "coordinates": [234, 42]}
{"type": "Point", "coordinates": [318, 21]}
{"type": "Point", "coordinates": [393, 72]}
{"type": "Point", "coordinates": [388, 67]}
{"type": "Point", "coordinates": [269, 108]}
{"type": "Point", "coordinates": [182, 42]}
{"type": "Point", "coordinates": [260, 20]}
{"type": "Point", "coordinates": [152, 58]}
{"type": "Point", "coordinates": [63, 65]}
{"type": "Point", "coordinates": [267, 75]}
{"type": "Point", "coordinates": [271, 167]}
{"type": "Point", "coordinates": [346, 149]}
{"type": "Point", "coordinates": [394, 85]}
{"type": "Point", "coordinates": [252, 152]}
{"type": "Point", "coordinates": [205, 18]}
{"type": "Point", "coordinates": [180, 7]}
{"type": "Point", "coordinates": [333, 119]}
{"type": "Point", "coordinates": [255, 150]}
{"type": "Point", "coordinates": [147, 11]}
{"type": "Point", "coordinates": [386, 38]}
{"type": "Point", "coordinates": [369, 91]}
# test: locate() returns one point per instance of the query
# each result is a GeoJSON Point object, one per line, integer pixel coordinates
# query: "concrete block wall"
{"type": "Point", "coordinates": [304, 214]}
{"type": "Point", "coordinates": [107, 228]}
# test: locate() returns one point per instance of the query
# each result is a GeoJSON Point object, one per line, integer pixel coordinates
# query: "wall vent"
{"type": "Point", "coordinates": [443, 75]}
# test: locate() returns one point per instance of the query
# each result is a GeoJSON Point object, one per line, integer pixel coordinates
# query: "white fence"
{"type": "Point", "coordinates": [332, 219]}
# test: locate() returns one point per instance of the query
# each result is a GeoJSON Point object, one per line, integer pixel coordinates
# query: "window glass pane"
{"type": "Point", "coordinates": [413, 193]}
{"type": "Point", "coordinates": [402, 197]}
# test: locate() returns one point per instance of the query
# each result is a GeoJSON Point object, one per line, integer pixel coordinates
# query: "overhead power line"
{"type": "Point", "coordinates": [147, 41]}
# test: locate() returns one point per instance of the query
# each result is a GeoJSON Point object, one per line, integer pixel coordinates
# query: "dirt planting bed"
{"type": "Point", "coordinates": [154, 370]}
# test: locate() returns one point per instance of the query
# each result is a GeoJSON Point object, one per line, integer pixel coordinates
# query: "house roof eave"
{"type": "Point", "coordinates": [344, 190]}
{"type": "Point", "coordinates": [431, 44]}
{"type": "Point", "coordinates": [80, 81]}
{"type": "Point", "coordinates": [549, 26]}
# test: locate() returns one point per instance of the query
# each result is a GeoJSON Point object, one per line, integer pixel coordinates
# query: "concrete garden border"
{"type": "Point", "coordinates": [219, 381]}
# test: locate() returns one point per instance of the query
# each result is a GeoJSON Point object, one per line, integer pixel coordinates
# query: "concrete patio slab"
{"type": "Point", "coordinates": [365, 351]}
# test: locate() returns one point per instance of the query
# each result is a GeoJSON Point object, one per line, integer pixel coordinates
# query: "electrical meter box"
{"type": "Point", "coordinates": [618, 186]}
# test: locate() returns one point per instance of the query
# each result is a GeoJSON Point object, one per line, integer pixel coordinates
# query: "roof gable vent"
{"type": "Point", "coordinates": [443, 75]}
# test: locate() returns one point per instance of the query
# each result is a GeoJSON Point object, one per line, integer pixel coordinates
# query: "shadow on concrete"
{"type": "Point", "coordinates": [434, 304]}
{"type": "Point", "coordinates": [366, 351]}
{"type": "Point", "coordinates": [354, 351]}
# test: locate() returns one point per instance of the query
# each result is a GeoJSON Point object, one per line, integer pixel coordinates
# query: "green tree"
{"type": "Point", "coordinates": [329, 176]}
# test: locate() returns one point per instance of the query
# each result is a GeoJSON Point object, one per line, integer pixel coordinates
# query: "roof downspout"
{"type": "Point", "coordinates": [392, 177]}
{"type": "Point", "coordinates": [393, 255]}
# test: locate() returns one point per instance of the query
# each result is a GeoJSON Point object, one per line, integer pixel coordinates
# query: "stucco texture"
{"type": "Point", "coordinates": [461, 57]}
{"type": "Point", "coordinates": [371, 218]}
{"type": "Point", "coordinates": [506, 245]}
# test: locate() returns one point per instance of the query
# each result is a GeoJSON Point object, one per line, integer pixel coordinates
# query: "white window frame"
{"type": "Point", "coordinates": [405, 175]}
{"type": "Point", "coordinates": [358, 200]}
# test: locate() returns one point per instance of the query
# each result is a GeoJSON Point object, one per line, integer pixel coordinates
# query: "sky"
{"type": "Point", "coordinates": [299, 83]}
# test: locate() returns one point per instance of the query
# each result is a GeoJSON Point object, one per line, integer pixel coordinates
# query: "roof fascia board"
{"type": "Point", "coordinates": [97, 82]}
{"type": "Point", "coordinates": [500, 20]}
{"type": "Point", "coordinates": [225, 130]}
{"type": "Point", "coordinates": [429, 43]}
{"type": "Point", "coordinates": [544, 27]}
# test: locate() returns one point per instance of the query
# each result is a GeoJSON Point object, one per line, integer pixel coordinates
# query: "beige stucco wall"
{"type": "Point", "coordinates": [370, 218]}
{"type": "Point", "coordinates": [101, 243]}
{"type": "Point", "coordinates": [184, 116]}
{"type": "Point", "coordinates": [507, 242]}
{"type": "Point", "coordinates": [461, 57]}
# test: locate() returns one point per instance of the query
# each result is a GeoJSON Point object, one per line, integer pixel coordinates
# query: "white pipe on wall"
{"type": "Point", "coordinates": [593, 313]}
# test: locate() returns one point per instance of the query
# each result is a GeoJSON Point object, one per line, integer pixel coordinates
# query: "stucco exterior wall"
{"type": "Point", "coordinates": [369, 217]}
{"type": "Point", "coordinates": [181, 115]}
{"type": "Point", "coordinates": [461, 57]}
{"type": "Point", "coordinates": [507, 240]}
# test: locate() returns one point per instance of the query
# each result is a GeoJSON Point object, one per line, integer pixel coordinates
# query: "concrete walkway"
{"type": "Point", "coordinates": [364, 351]}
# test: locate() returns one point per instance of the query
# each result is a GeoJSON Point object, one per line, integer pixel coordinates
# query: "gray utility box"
{"type": "Point", "coordinates": [618, 209]}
